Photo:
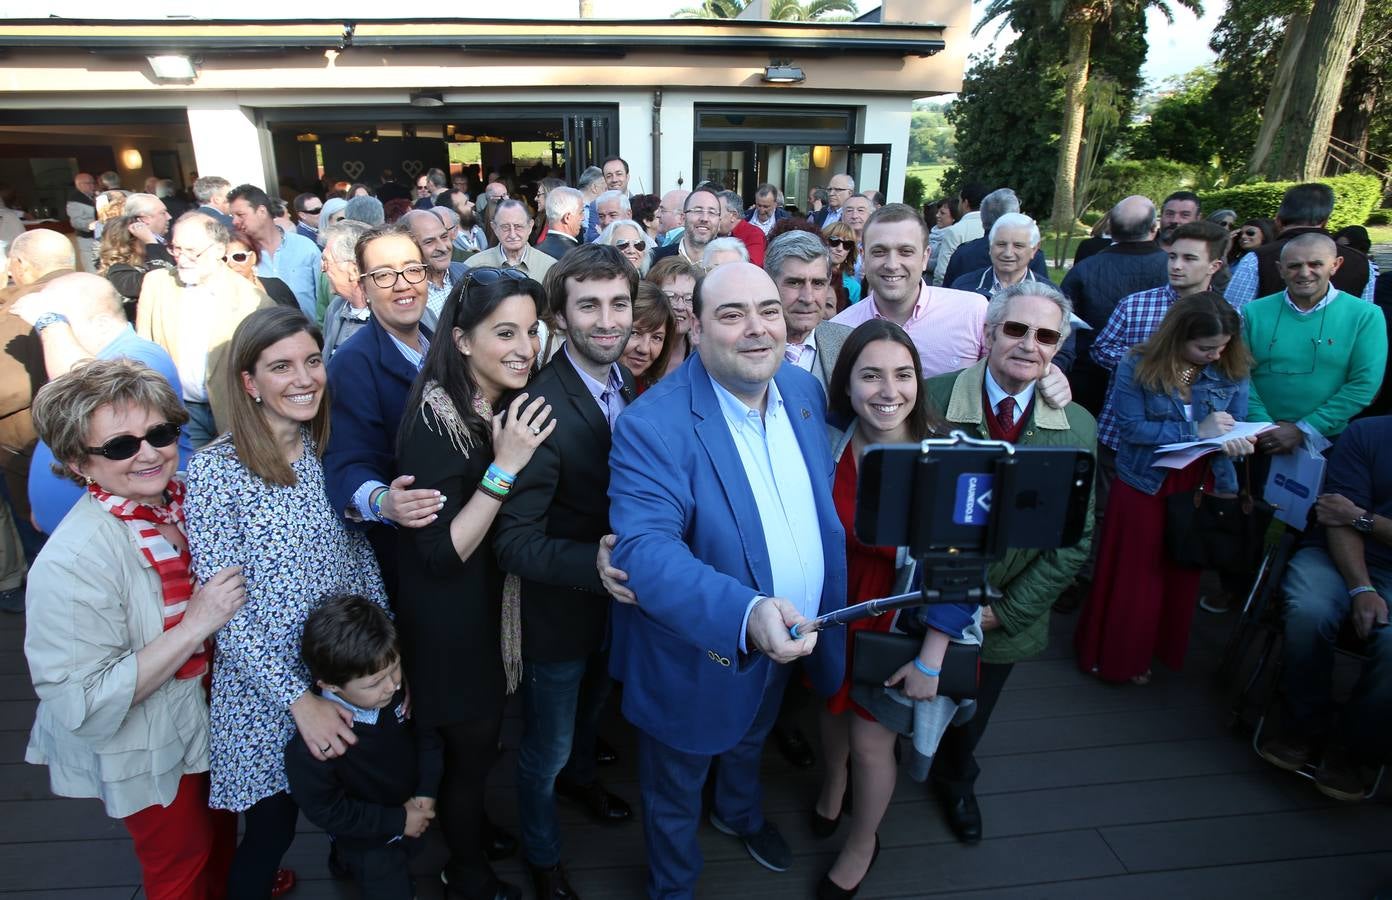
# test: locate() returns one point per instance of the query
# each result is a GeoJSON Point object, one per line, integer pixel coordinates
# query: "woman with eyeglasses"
{"type": "Point", "coordinates": [1252, 234]}
{"type": "Point", "coordinates": [257, 501]}
{"type": "Point", "coordinates": [630, 239]}
{"type": "Point", "coordinates": [243, 253]}
{"type": "Point", "coordinates": [118, 638]}
{"type": "Point", "coordinates": [648, 343]}
{"type": "Point", "coordinates": [459, 623]}
{"type": "Point", "coordinates": [676, 278]}
{"type": "Point", "coordinates": [1188, 382]}
{"type": "Point", "coordinates": [842, 241]}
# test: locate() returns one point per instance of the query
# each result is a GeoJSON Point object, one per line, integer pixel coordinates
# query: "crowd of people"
{"type": "Point", "coordinates": [295, 505]}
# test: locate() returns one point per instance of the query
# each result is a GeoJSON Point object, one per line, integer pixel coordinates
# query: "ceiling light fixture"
{"type": "Point", "coordinates": [428, 99]}
{"type": "Point", "coordinates": [172, 68]}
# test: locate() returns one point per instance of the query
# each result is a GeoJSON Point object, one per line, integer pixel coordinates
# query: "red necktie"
{"type": "Point", "coordinates": [1005, 413]}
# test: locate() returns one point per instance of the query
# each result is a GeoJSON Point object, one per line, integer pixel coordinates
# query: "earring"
{"type": "Point", "coordinates": [256, 399]}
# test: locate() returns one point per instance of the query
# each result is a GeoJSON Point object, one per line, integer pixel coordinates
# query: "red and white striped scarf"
{"type": "Point", "coordinates": [175, 566]}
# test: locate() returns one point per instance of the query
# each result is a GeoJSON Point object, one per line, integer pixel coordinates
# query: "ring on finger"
{"type": "Point", "coordinates": [536, 429]}
{"type": "Point", "coordinates": [326, 748]}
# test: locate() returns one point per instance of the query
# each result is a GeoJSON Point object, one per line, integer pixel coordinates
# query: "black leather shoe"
{"type": "Point", "coordinates": [963, 817]}
{"type": "Point", "coordinates": [794, 747]}
{"type": "Point", "coordinates": [604, 807]}
{"type": "Point", "coordinates": [551, 883]}
{"type": "Point", "coordinates": [604, 753]}
{"type": "Point", "coordinates": [497, 843]}
{"type": "Point", "coordinates": [507, 892]}
{"type": "Point", "coordinates": [337, 868]}
{"type": "Point", "coordinates": [830, 890]}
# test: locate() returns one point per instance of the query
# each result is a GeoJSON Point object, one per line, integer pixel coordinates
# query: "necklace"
{"type": "Point", "coordinates": [1188, 375]}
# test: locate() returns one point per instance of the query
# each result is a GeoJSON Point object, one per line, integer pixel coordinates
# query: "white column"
{"type": "Point", "coordinates": [227, 142]}
{"type": "Point", "coordinates": [886, 121]}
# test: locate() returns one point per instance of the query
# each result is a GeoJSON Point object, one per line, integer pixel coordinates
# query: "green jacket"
{"type": "Point", "coordinates": [1031, 580]}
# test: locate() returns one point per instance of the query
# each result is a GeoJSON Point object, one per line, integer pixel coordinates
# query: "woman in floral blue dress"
{"type": "Point", "coordinates": [256, 499]}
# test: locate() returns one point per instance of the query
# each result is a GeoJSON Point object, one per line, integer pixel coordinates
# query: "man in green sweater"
{"type": "Point", "coordinates": [1319, 354]}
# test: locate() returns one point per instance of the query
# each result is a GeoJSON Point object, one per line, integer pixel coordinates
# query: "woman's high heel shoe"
{"type": "Point", "coordinates": [830, 890]}
{"type": "Point", "coordinates": [822, 827]}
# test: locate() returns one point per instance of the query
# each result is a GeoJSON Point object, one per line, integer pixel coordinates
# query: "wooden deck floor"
{"type": "Point", "coordinates": [1087, 791]}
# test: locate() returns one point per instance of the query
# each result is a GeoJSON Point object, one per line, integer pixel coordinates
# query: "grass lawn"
{"type": "Point", "coordinates": [1381, 234]}
{"type": "Point", "coordinates": [932, 179]}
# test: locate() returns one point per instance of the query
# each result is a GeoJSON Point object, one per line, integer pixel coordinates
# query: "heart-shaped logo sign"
{"type": "Point", "coordinates": [353, 168]}
{"type": "Point", "coordinates": [412, 167]}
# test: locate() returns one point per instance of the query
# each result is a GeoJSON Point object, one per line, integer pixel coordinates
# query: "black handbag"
{"type": "Point", "coordinates": [1224, 534]}
{"type": "Point", "coordinates": [879, 654]}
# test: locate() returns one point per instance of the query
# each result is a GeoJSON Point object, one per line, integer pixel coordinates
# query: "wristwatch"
{"type": "Point", "coordinates": [47, 319]}
{"type": "Point", "coordinates": [1364, 523]}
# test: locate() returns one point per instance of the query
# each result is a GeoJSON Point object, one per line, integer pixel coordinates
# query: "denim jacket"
{"type": "Point", "coordinates": [1146, 420]}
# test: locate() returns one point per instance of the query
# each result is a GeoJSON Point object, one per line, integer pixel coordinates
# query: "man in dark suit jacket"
{"type": "Point", "coordinates": [564, 208]}
{"type": "Point", "coordinates": [550, 534]}
{"type": "Point", "coordinates": [370, 376]}
{"type": "Point", "coordinates": [720, 494]}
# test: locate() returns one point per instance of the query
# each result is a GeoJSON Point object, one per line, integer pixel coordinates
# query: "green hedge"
{"type": "Point", "coordinates": [1355, 198]}
{"type": "Point", "coordinates": [1153, 178]}
{"type": "Point", "coordinates": [914, 190]}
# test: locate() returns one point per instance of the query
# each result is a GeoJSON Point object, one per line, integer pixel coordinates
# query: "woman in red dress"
{"type": "Point", "coordinates": [1188, 382]}
{"type": "Point", "coordinates": [876, 387]}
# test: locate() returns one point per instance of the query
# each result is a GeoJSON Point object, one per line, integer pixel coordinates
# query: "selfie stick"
{"type": "Point", "coordinates": [882, 605]}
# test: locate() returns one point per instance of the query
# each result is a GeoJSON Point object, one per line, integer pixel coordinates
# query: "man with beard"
{"type": "Point", "coordinates": [437, 252]}
{"type": "Point", "coordinates": [554, 534]}
{"type": "Point", "coordinates": [471, 237]}
{"type": "Point", "coordinates": [701, 216]}
{"type": "Point", "coordinates": [511, 224]}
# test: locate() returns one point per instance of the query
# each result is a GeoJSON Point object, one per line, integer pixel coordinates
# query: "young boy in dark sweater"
{"type": "Point", "coordinates": [379, 796]}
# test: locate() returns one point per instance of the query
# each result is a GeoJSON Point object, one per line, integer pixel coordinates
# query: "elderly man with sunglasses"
{"type": "Point", "coordinates": [1001, 397]}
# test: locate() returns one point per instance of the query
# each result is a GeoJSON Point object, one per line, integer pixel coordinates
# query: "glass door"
{"type": "Point", "coordinates": [868, 164]}
{"type": "Point", "coordinates": [727, 163]}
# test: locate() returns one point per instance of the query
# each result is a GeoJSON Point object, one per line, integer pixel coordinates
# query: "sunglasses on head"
{"type": "Point", "coordinates": [637, 245]}
{"type": "Point", "coordinates": [124, 446]}
{"type": "Point", "coordinates": [492, 275]}
{"type": "Point", "coordinates": [1046, 336]}
{"type": "Point", "coordinates": [846, 245]}
{"type": "Point", "coordinates": [240, 256]}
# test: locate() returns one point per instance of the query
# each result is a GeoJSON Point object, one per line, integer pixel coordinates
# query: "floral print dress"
{"type": "Point", "coordinates": [294, 552]}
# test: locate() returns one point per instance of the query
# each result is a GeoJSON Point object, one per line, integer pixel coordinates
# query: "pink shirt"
{"type": "Point", "coordinates": [946, 326]}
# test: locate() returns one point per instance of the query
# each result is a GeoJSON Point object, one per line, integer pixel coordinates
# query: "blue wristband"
{"type": "Point", "coordinates": [1361, 589]}
{"type": "Point", "coordinates": [931, 673]}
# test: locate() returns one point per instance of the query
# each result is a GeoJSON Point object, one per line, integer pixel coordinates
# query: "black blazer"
{"type": "Point", "coordinates": [549, 529]}
{"type": "Point", "coordinates": [449, 610]}
{"type": "Point", "coordinates": [557, 245]}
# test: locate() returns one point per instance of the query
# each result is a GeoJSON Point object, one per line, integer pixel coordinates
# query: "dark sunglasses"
{"type": "Point", "coordinates": [124, 446]}
{"type": "Point", "coordinates": [846, 245]}
{"type": "Point", "coordinates": [638, 245]}
{"type": "Point", "coordinates": [240, 256]}
{"type": "Point", "coordinates": [1250, 232]}
{"type": "Point", "coordinates": [491, 275]}
{"type": "Point", "coordinates": [1046, 336]}
{"type": "Point", "coordinates": [313, 212]}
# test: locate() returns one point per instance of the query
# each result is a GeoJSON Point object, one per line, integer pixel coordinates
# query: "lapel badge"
{"type": "Point", "coordinates": [806, 414]}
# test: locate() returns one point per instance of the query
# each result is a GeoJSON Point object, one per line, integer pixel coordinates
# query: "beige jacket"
{"type": "Point", "coordinates": [93, 602]}
{"type": "Point", "coordinates": [158, 314]}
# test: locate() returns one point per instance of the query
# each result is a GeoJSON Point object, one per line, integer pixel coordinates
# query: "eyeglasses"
{"type": "Point", "coordinates": [491, 275]}
{"type": "Point", "coordinates": [385, 278]}
{"type": "Point", "coordinates": [838, 190]}
{"type": "Point", "coordinates": [705, 212]}
{"type": "Point", "coordinates": [124, 446]}
{"type": "Point", "coordinates": [637, 245]}
{"type": "Point", "coordinates": [678, 299]}
{"type": "Point", "coordinates": [188, 251]}
{"type": "Point", "coordinates": [1046, 336]}
{"type": "Point", "coordinates": [239, 256]}
{"type": "Point", "coordinates": [512, 228]}
{"type": "Point", "coordinates": [848, 246]}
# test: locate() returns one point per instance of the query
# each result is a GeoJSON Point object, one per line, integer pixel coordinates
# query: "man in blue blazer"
{"type": "Point", "coordinates": [721, 499]}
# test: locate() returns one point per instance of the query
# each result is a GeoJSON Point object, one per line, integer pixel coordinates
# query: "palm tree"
{"type": "Point", "coordinates": [1080, 17]}
{"type": "Point", "coordinates": [712, 9]}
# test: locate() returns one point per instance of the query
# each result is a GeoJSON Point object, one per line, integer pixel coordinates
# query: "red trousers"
{"type": "Point", "coordinates": [184, 848]}
{"type": "Point", "coordinates": [1142, 604]}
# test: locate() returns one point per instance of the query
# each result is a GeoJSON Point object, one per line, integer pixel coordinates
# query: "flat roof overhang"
{"type": "Point", "coordinates": [502, 36]}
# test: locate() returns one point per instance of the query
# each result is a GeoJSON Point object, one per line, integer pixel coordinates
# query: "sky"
{"type": "Point", "coordinates": [1174, 49]}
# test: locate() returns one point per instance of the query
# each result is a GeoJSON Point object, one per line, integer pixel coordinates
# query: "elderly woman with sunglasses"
{"type": "Point", "coordinates": [631, 240]}
{"type": "Point", "coordinates": [243, 253]}
{"type": "Point", "coordinates": [842, 240]}
{"type": "Point", "coordinates": [118, 637]}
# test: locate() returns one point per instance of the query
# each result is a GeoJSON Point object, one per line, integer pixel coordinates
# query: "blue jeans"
{"type": "Point", "coordinates": [672, 781]}
{"type": "Point", "coordinates": [1317, 604]}
{"type": "Point", "coordinates": [561, 705]}
{"type": "Point", "coordinates": [200, 428]}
